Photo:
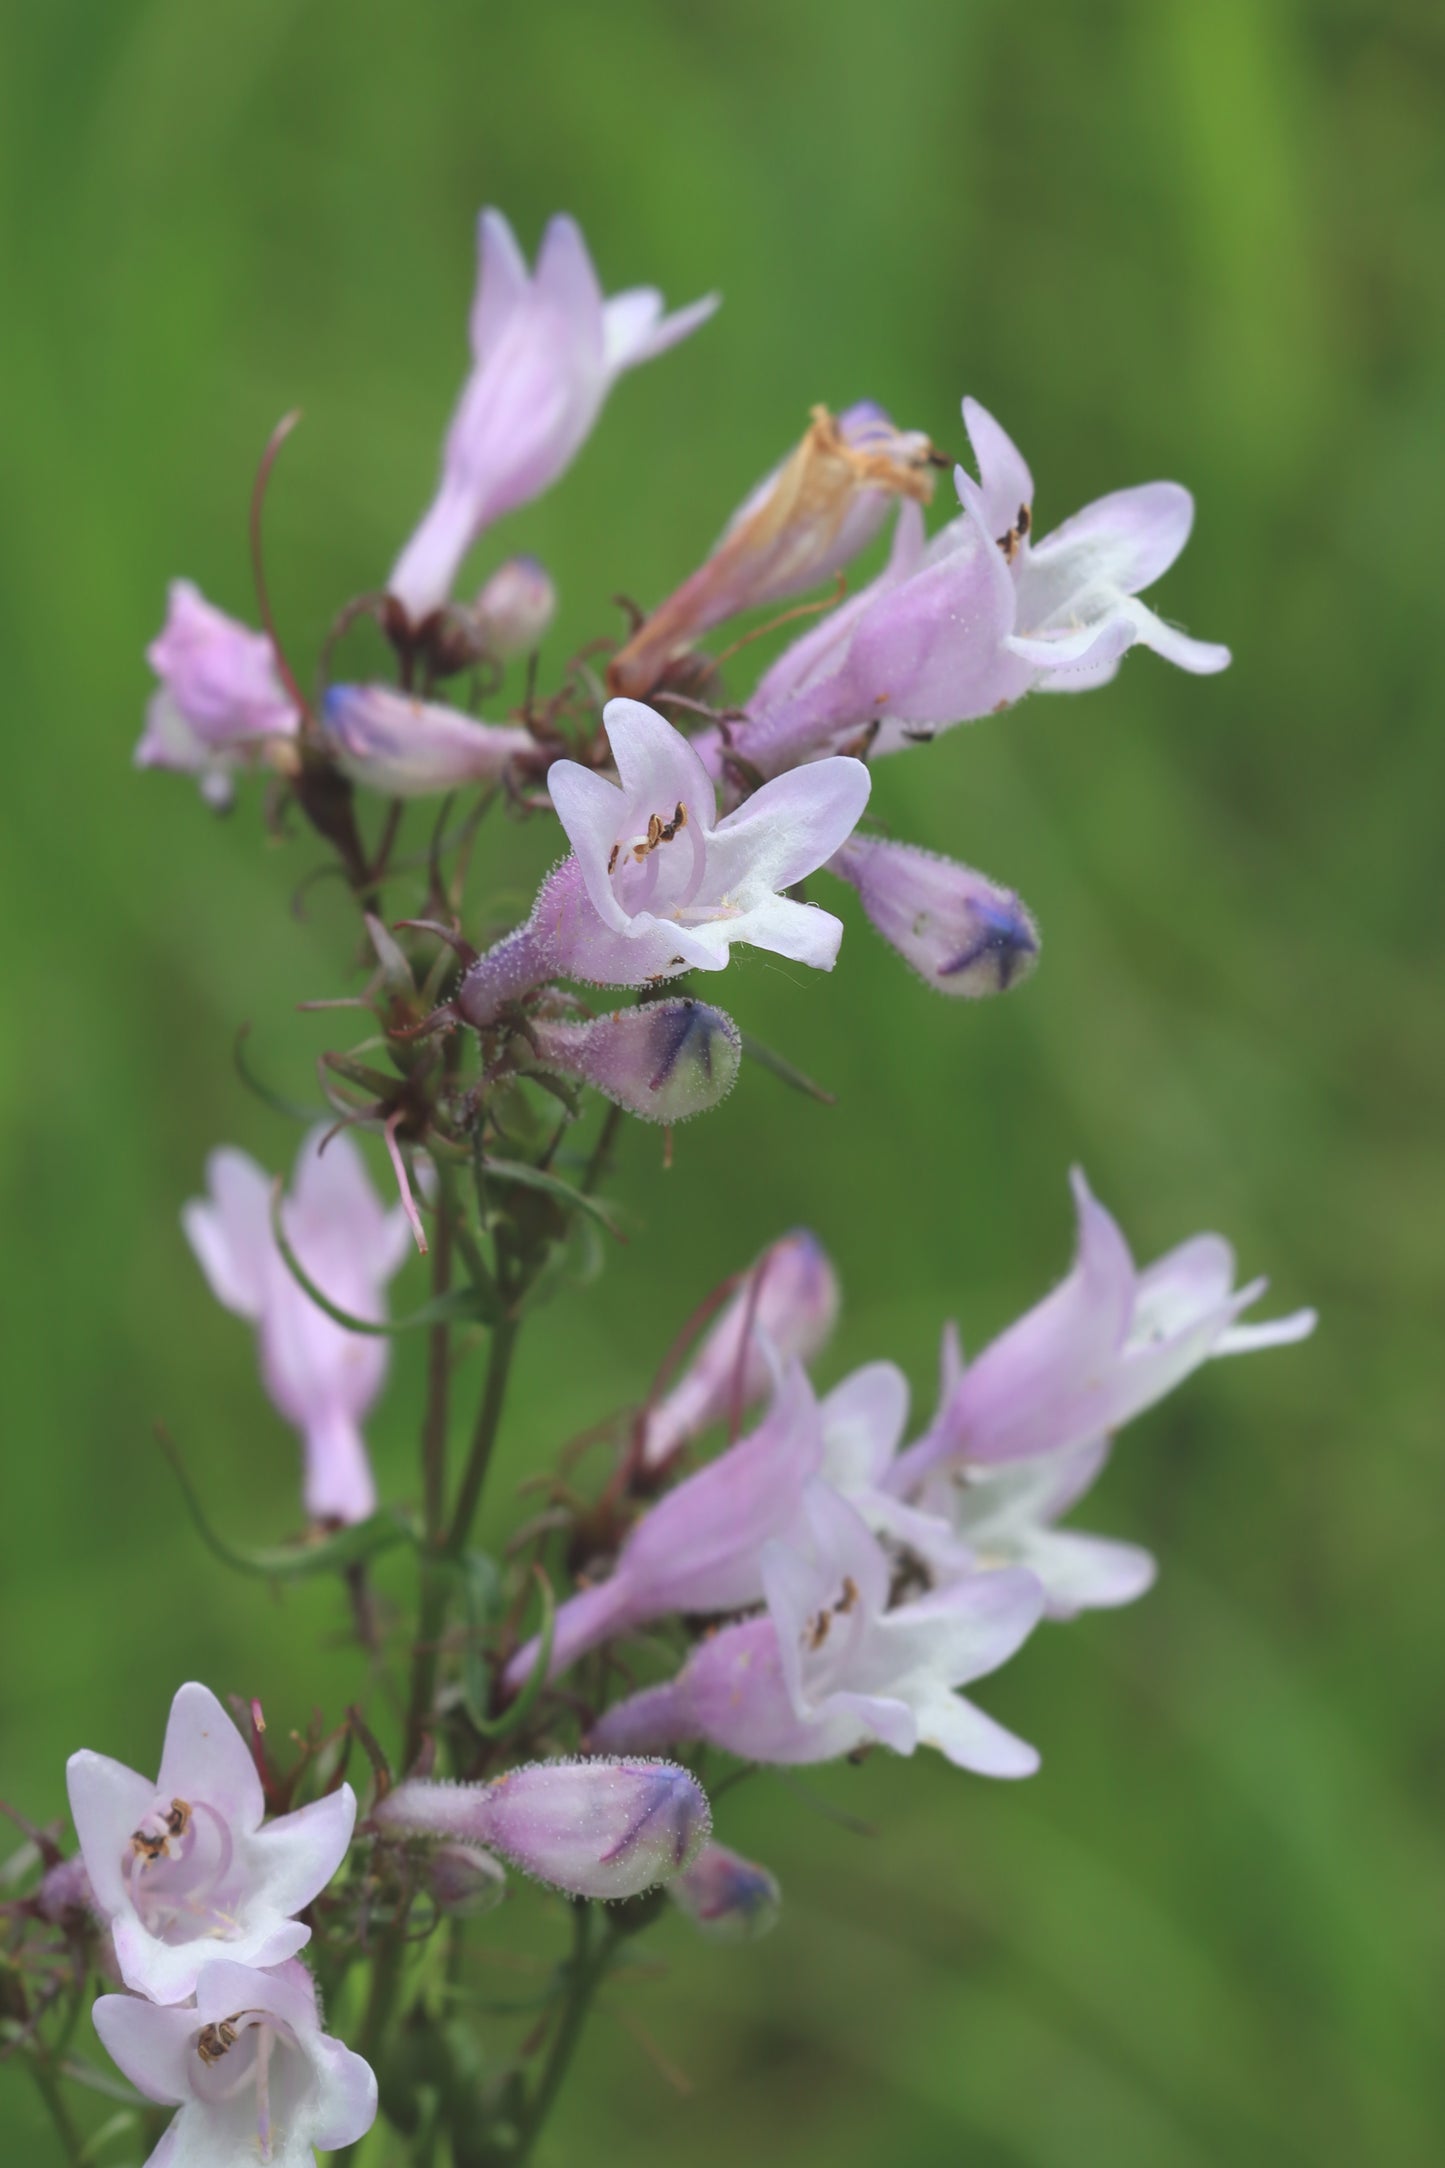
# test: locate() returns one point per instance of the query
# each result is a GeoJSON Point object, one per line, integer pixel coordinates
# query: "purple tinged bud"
{"type": "Point", "coordinates": [663, 1061]}
{"type": "Point", "coordinates": [729, 1898]}
{"type": "Point", "coordinates": [387, 741]}
{"type": "Point", "coordinates": [219, 704]}
{"type": "Point", "coordinates": [961, 932]}
{"type": "Point", "coordinates": [65, 1888]}
{"type": "Point", "coordinates": [465, 1880]}
{"type": "Point", "coordinates": [802, 523]}
{"type": "Point", "coordinates": [514, 611]}
{"type": "Point", "coordinates": [596, 1828]}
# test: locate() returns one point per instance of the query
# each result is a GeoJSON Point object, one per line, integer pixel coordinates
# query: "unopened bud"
{"type": "Point", "coordinates": [663, 1061]}
{"type": "Point", "coordinates": [600, 1828]}
{"type": "Point", "coordinates": [730, 1898]}
{"type": "Point", "coordinates": [65, 1888]}
{"type": "Point", "coordinates": [386, 741]}
{"type": "Point", "coordinates": [465, 1880]}
{"type": "Point", "coordinates": [789, 1300]}
{"type": "Point", "coordinates": [800, 525]}
{"type": "Point", "coordinates": [961, 932]}
{"type": "Point", "coordinates": [515, 609]}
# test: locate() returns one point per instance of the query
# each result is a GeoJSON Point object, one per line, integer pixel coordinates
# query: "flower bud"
{"type": "Point", "coordinates": [465, 1880]}
{"type": "Point", "coordinates": [220, 703]}
{"type": "Point", "coordinates": [730, 1898]}
{"type": "Point", "coordinates": [663, 1061]}
{"type": "Point", "coordinates": [959, 931]}
{"type": "Point", "coordinates": [800, 525]}
{"type": "Point", "coordinates": [790, 1299]}
{"type": "Point", "coordinates": [386, 741]}
{"type": "Point", "coordinates": [599, 1828]}
{"type": "Point", "coordinates": [515, 609]}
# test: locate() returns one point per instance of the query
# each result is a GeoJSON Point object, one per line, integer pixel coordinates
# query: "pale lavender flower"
{"type": "Point", "coordinates": [668, 886]}
{"type": "Point", "coordinates": [596, 1828]}
{"type": "Point", "coordinates": [791, 1297]}
{"type": "Point", "coordinates": [249, 2068]}
{"type": "Point", "coordinates": [320, 1376]}
{"type": "Point", "coordinates": [830, 1668]}
{"type": "Point", "coordinates": [961, 932]}
{"type": "Point", "coordinates": [1106, 1344]}
{"type": "Point", "coordinates": [803, 522]}
{"type": "Point", "coordinates": [664, 1061]}
{"type": "Point", "coordinates": [863, 1420]}
{"type": "Point", "coordinates": [547, 348]}
{"type": "Point", "coordinates": [1006, 1516]}
{"type": "Point", "coordinates": [971, 621]}
{"type": "Point", "coordinates": [186, 1866]}
{"type": "Point", "coordinates": [699, 1548]}
{"type": "Point", "coordinates": [387, 741]}
{"type": "Point", "coordinates": [220, 703]}
{"type": "Point", "coordinates": [728, 1897]}
{"type": "Point", "coordinates": [515, 608]}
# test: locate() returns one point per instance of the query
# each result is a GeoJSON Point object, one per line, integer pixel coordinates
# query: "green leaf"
{"type": "Point", "coordinates": [291, 1562]}
{"type": "Point", "coordinates": [551, 1185]}
{"type": "Point", "coordinates": [768, 1058]}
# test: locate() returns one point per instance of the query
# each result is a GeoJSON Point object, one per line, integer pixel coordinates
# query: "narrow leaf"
{"type": "Point", "coordinates": [461, 1302]}
{"type": "Point", "coordinates": [289, 1562]}
{"type": "Point", "coordinates": [551, 1185]}
{"type": "Point", "coordinates": [768, 1058]}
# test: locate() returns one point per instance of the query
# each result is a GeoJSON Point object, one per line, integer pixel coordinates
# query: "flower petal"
{"type": "Point", "coordinates": [1006, 484]}
{"type": "Point", "coordinates": [791, 826]}
{"type": "Point", "coordinates": [1128, 539]}
{"type": "Point", "coordinates": [503, 282]}
{"type": "Point", "coordinates": [205, 1757]}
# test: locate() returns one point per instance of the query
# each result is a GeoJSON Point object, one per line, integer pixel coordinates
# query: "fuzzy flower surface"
{"type": "Point", "coordinates": [219, 703]}
{"type": "Point", "coordinates": [387, 741]}
{"type": "Point", "coordinates": [320, 1376]}
{"type": "Point", "coordinates": [185, 1865]}
{"type": "Point", "coordinates": [547, 348]}
{"type": "Point", "coordinates": [658, 884]}
{"type": "Point", "coordinates": [247, 2065]}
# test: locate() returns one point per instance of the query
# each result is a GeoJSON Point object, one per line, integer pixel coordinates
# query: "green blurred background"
{"type": "Point", "coordinates": [1200, 240]}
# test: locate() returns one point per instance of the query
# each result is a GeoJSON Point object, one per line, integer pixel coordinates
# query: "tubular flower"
{"type": "Point", "coordinates": [547, 348]}
{"type": "Point", "coordinates": [802, 523]}
{"type": "Point", "coordinates": [831, 1668]}
{"type": "Point", "coordinates": [220, 703]}
{"type": "Point", "coordinates": [186, 1866]}
{"type": "Point", "coordinates": [971, 621]}
{"type": "Point", "coordinates": [596, 1828]}
{"type": "Point", "coordinates": [321, 1377]}
{"type": "Point", "coordinates": [664, 1061]}
{"type": "Point", "coordinates": [726, 1896]}
{"type": "Point", "coordinates": [788, 1302]}
{"type": "Point", "coordinates": [1106, 1344]}
{"type": "Point", "coordinates": [387, 741]}
{"type": "Point", "coordinates": [961, 933]}
{"type": "Point", "coordinates": [698, 1549]}
{"type": "Point", "coordinates": [249, 2068]}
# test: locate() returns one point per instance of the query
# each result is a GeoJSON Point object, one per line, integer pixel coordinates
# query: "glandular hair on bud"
{"type": "Point", "coordinates": [664, 1061]}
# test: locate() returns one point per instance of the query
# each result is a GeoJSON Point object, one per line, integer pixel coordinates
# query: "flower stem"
{"type": "Point", "coordinates": [484, 1437]}
{"type": "Point", "coordinates": [591, 1956]}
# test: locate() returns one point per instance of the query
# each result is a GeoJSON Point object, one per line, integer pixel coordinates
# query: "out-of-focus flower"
{"type": "Point", "coordinates": [321, 1377]}
{"type": "Point", "coordinates": [187, 1866]}
{"type": "Point", "coordinates": [387, 741]}
{"type": "Point", "coordinates": [961, 933]}
{"type": "Point", "coordinates": [699, 1548]}
{"type": "Point", "coordinates": [728, 1897]}
{"type": "Point", "coordinates": [220, 704]}
{"type": "Point", "coordinates": [664, 886]}
{"type": "Point", "coordinates": [803, 522]}
{"type": "Point", "coordinates": [248, 2066]}
{"type": "Point", "coordinates": [597, 1828]}
{"type": "Point", "coordinates": [546, 350]}
{"type": "Point", "coordinates": [831, 1668]}
{"type": "Point", "coordinates": [971, 621]}
{"type": "Point", "coordinates": [1005, 1517]}
{"type": "Point", "coordinates": [465, 1880]}
{"type": "Point", "coordinates": [1106, 1344]}
{"type": "Point", "coordinates": [790, 1297]}
{"type": "Point", "coordinates": [664, 1061]}
{"type": "Point", "coordinates": [515, 608]}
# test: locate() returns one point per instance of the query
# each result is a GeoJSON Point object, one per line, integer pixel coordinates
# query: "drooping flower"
{"type": "Point", "coordinates": [664, 1061]}
{"type": "Point", "coordinates": [699, 1549]}
{"type": "Point", "coordinates": [830, 1668]}
{"type": "Point", "coordinates": [320, 1376]}
{"type": "Point", "coordinates": [729, 1898]}
{"type": "Point", "coordinates": [220, 704]}
{"type": "Point", "coordinates": [961, 932]}
{"type": "Point", "coordinates": [788, 1301]}
{"type": "Point", "coordinates": [249, 2068]}
{"type": "Point", "coordinates": [387, 741]}
{"type": "Point", "coordinates": [546, 350]}
{"type": "Point", "coordinates": [596, 1828]}
{"type": "Point", "coordinates": [187, 1866]}
{"type": "Point", "coordinates": [1106, 1344]}
{"type": "Point", "coordinates": [971, 621]}
{"type": "Point", "coordinates": [515, 608]}
{"type": "Point", "coordinates": [803, 522]}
